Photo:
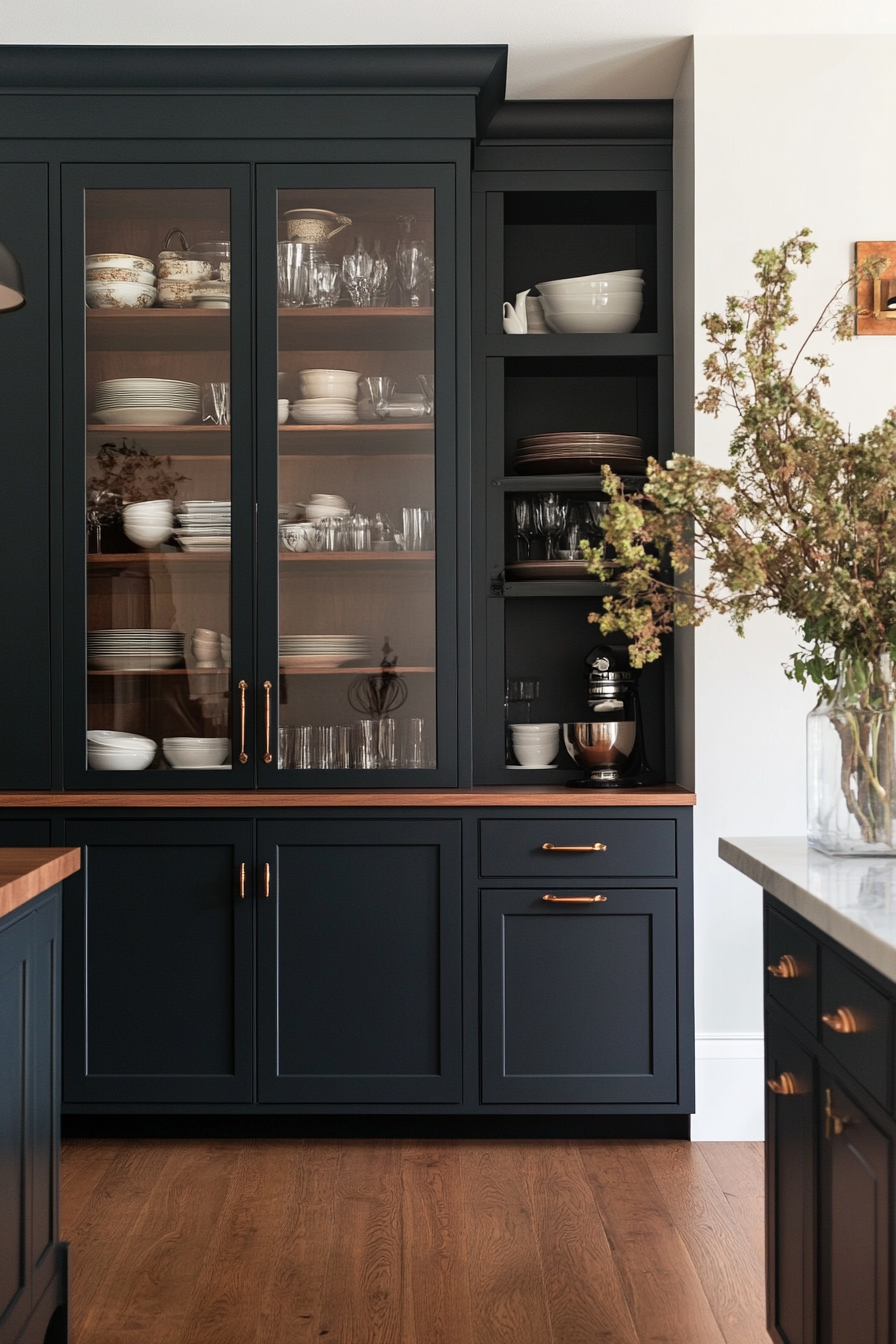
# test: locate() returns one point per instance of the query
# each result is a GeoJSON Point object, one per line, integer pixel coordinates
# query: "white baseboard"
{"type": "Point", "coordinates": [730, 1088]}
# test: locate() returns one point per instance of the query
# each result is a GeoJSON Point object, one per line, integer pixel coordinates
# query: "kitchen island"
{"type": "Point", "coordinates": [33, 1263]}
{"type": "Point", "coordinates": [830, 954]}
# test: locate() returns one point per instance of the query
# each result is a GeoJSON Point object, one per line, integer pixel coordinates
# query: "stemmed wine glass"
{"type": "Point", "coordinates": [522, 525]}
{"type": "Point", "coordinates": [549, 515]}
{"type": "Point", "coordinates": [413, 271]}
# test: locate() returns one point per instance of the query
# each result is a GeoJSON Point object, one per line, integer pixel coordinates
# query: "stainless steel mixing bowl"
{"type": "Point", "coordinates": [600, 746]}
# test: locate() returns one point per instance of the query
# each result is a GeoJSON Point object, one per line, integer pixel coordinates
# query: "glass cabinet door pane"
{"type": "Point", "coordinates": [158, 479]}
{"type": "Point", "coordinates": [356, 410]}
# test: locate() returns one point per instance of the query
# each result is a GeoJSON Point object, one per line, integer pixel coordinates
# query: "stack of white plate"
{"type": "Point", "coordinates": [134, 650]}
{"type": "Point", "coordinates": [204, 525]}
{"type": "Point", "coordinates": [327, 397]}
{"type": "Point", "coordinates": [297, 651]}
{"type": "Point", "coordinates": [108, 750]}
{"type": "Point", "coordinates": [609, 302]}
{"type": "Point", "coordinates": [146, 401]}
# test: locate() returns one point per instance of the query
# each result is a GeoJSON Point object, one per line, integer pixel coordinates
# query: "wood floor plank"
{"type": "Point", "coordinates": [436, 1308]}
{"type": "Point", "coordinates": [84, 1163]}
{"type": "Point", "coordinates": [362, 1289]}
{"type": "Point", "coordinates": [732, 1276]}
{"type": "Point", "coordinates": [291, 1313]}
{"type": "Point", "coordinates": [154, 1280]}
{"type": "Point", "coordinates": [585, 1300]}
{"type": "Point", "coordinates": [506, 1285]}
{"type": "Point", "coordinates": [661, 1284]}
{"type": "Point", "coordinates": [739, 1169]}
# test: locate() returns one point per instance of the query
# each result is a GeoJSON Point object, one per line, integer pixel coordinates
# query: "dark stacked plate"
{"type": "Point", "coordinates": [567, 453]}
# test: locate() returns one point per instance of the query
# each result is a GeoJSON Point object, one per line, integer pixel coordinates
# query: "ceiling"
{"type": "Point", "coordinates": [577, 49]}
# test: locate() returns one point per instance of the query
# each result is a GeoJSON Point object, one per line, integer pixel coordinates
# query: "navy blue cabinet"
{"type": "Point", "coordinates": [33, 1262]}
{"type": "Point", "coordinates": [359, 961]}
{"type": "Point", "coordinates": [158, 958]}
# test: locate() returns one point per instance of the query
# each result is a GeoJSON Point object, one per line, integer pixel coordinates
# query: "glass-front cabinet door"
{"type": "Point", "coordinates": [157, 443]}
{"type": "Point", "coordinates": [356, 453]}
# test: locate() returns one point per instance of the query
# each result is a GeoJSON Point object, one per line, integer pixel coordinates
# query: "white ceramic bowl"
{"type": "Point", "coordinates": [110, 738]}
{"type": "Point", "coordinates": [282, 412]}
{"type": "Point", "coordinates": [184, 269]}
{"type": "Point", "coordinates": [595, 303]}
{"type": "Point", "coordinates": [200, 632]}
{"type": "Point", "coordinates": [568, 288]}
{"type": "Point", "coordinates": [588, 281]}
{"type": "Point", "coordinates": [588, 324]}
{"type": "Point", "coordinates": [314, 512]}
{"type": "Point", "coordinates": [535, 756]}
{"type": "Point", "coordinates": [328, 383]}
{"type": "Point", "coordinates": [119, 294]}
{"type": "Point", "coordinates": [535, 739]}
{"type": "Point", "coordinates": [338, 501]}
{"type": "Point", "coordinates": [534, 727]}
{"type": "Point", "coordinates": [195, 751]}
{"type": "Point", "coordinates": [137, 758]}
{"type": "Point", "coordinates": [98, 259]}
{"type": "Point", "coordinates": [147, 534]}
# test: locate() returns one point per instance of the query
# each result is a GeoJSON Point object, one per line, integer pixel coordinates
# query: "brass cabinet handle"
{"type": "Point", "coordinates": [267, 880]}
{"type": "Point", "coordinates": [267, 723]}
{"type": "Point", "coordinates": [786, 968]}
{"type": "Point", "coordinates": [785, 1085]}
{"type": "Point", "coordinates": [243, 687]}
{"type": "Point", "coordinates": [833, 1123]}
{"type": "Point", "coordinates": [843, 1021]}
{"type": "Point", "coordinates": [242, 881]}
{"type": "Point", "coordinates": [573, 899]}
{"type": "Point", "coordinates": [597, 847]}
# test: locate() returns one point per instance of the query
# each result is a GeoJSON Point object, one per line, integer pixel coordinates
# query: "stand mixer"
{"type": "Point", "coordinates": [610, 747]}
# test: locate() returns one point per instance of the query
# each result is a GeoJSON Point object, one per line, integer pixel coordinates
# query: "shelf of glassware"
{"type": "Point", "coordinates": [299, 329]}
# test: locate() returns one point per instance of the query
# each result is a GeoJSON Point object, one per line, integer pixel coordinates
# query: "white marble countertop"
{"type": "Point", "coordinates": [852, 900]}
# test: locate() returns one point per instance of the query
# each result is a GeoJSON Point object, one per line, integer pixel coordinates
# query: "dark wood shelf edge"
{"type": "Point", "coordinates": [658, 795]}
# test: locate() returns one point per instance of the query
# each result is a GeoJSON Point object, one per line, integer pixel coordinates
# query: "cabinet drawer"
{"type": "Point", "coordinates": [791, 976]}
{"type": "Point", "coordinates": [862, 1045]}
{"type": "Point", "coordinates": [633, 848]}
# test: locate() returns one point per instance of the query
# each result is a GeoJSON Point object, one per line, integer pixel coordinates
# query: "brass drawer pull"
{"type": "Point", "coordinates": [242, 881]}
{"type": "Point", "coordinates": [267, 880]}
{"type": "Point", "coordinates": [785, 1086]}
{"type": "Point", "coordinates": [584, 900]}
{"type": "Point", "coordinates": [243, 687]}
{"type": "Point", "coordinates": [786, 968]}
{"type": "Point", "coordinates": [574, 849]}
{"type": "Point", "coordinates": [843, 1021]}
{"type": "Point", "coordinates": [833, 1123]}
{"type": "Point", "coordinates": [267, 723]}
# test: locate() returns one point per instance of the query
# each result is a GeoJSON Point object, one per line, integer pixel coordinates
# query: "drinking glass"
{"type": "Point", "coordinates": [381, 533]}
{"type": "Point", "coordinates": [427, 383]}
{"type": "Point", "coordinates": [413, 270]}
{"type": "Point", "coordinates": [305, 747]}
{"type": "Point", "coordinates": [418, 528]}
{"type": "Point", "coordinates": [388, 744]}
{"type": "Point", "coordinates": [325, 283]}
{"type": "Point", "coordinates": [519, 693]}
{"type": "Point", "coordinates": [357, 533]}
{"type": "Point", "coordinates": [332, 534]}
{"type": "Point", "coordinates": [287, 756]}
{"type": "Point", "coordinates": [405, 226]}
{"type": "Point", "coordinates": [344, 738]}
{"type": "Point", "coordinates": [216, 403]}
{"type": "Point", "coordinates": [522, 525]}
{"type": "Point", "coordinates": [381, 277]}
{"type": "Point", "coordinates": [549, 515]}
{"type": "Point", "coordinates": [380, 390]}
{"type": "Point", "coordinates": [292, 273]}
{"type": "Point", "coordinates": [367, 744]}
{"type": "Point", "coordinates": [326, 747]}
{"type": "Point", "coordinates": [357, 274]}
{"type": "Point", "coordinates": [414, 755]}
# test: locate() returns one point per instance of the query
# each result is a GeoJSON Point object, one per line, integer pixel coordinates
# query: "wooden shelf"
{"type": "Point", "coordinates": [358, 557]}
{"type": "Point", "coordinates": [355, 328]}
{"type": "Point", "coordinates": [161, 672]}
{"type": "Point", "coordinates": [160, 557]}
{"type": "Point", "coordinates": [350, 671]}
{"type": "Point", "coordinates": [186, 443]}
{"type": "Point", "coordinates": [565, 344]}
{"type": "Point", "coordinates": [158, 329]}
{"type": "Point", "coordinates": [384, 437]}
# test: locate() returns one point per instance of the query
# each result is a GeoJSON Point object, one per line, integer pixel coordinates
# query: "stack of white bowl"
{"type": "Point", "coordinates": [148, 522]}
{"type": "Point", "coordinates": [535, 745]}
{"type": "Point", "coordinates": [609, 302]}
{"type": "Point", "coordinates": [326, 397]}
{"type": "Point", "coordinates": [210, 649]}
{"type": "Point", "coordinates": [108, 750]}
{"type": "Point", "coordinates": [196, 753]}
{"type": "Point", "coordinates": [325, 506]}
{"type": "Point", "coordinates": [119, 280]}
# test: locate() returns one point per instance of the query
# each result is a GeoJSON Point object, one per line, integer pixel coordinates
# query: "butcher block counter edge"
{"type": "Point", "coordinates": [852, 900]}
{"type": "Point", "coordinates": [25, 873]}
{"type": "Point", "coordinates": [660, 795]}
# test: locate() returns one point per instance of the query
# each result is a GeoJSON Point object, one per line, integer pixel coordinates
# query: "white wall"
{"type": "Point", "coordinates": [786, 132]}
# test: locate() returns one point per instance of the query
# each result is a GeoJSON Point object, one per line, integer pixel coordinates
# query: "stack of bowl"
{"type": "Point", "coordinates": [108, 750]}
{"type": "Point", "coordinates": [148, 522]}
{"type": "Point", "coordinates": [210, 649]}
{"type": "Point", "coordinates": [196, 753]}
{"type": "Point", "coordinates": [326, 397]}
{"type": "Point", "coordinates": [610, 302]}
{"type": "Point", "coordinates": [535, 745]}
{"type": "Point", "coordinates": [119, 280]}
{"type": "Point", "coordinates": [178, 278]}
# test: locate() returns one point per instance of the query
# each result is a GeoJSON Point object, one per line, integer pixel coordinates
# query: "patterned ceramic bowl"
{"type": "Point", "coordinates": [184, 269]}
{"type": "Point", "coordinates": [94, 259]}
{"type": "Point", "coordinates": [118, 294]}
{"type": "Point", "coordinates": [133, 277]}
{"type": "Point", "coordinates": [176, 293]}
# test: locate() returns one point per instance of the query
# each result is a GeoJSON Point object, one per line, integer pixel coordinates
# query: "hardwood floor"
{"type": "Point", "coordinates": [278, 1241]}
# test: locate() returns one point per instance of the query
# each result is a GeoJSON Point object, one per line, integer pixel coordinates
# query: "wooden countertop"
{"type": "Point", "coordinates": [25, 873]}
{"type": "Point", "coordinates": [659, 795]}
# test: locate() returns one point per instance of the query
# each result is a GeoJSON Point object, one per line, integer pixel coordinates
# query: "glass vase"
{"type": "Point", "coordinates": [851, 758]}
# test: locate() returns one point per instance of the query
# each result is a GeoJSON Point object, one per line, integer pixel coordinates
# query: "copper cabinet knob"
{"type": "Point", "coordinates": [785, 1085]}
{"type": "Point", "coordinates": [842, 1021]}
{"type": "Point", "coordinates": [786, 968]}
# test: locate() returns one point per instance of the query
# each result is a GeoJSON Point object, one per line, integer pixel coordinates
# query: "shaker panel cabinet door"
{"type": "Point", "coordinates": [855, 1223]}
{"type": "Point", "coordinates": [790, 1188]}
{"type": "Point", "coordinates": [579, 1001]}
{"type": "Point", "coordinates": [158, 963]}
{"type": "Point", "coordinates": [359, 962]}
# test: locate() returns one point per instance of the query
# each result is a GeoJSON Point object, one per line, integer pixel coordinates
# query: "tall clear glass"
{"type": "Point", "coordinates": [158, 479]}
{"type": "Point", "coordinates": [357, 535]}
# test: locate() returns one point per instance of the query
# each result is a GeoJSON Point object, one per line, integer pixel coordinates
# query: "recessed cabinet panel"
{"type": "Point", "coordinates": [856, 1024]}
{"type": "Point", "coordinates": [159, 955]}
{"type": "Point", "coordinates": [14, 1215]}
{"type": "Point", "coordinates": [363, 924]}
{"type": "Point", "coordinates": [599, 847]}
{"type": "Point", "coordinates": [791, 975]}
{"type": "Point", "coordinates": [578, 996]}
